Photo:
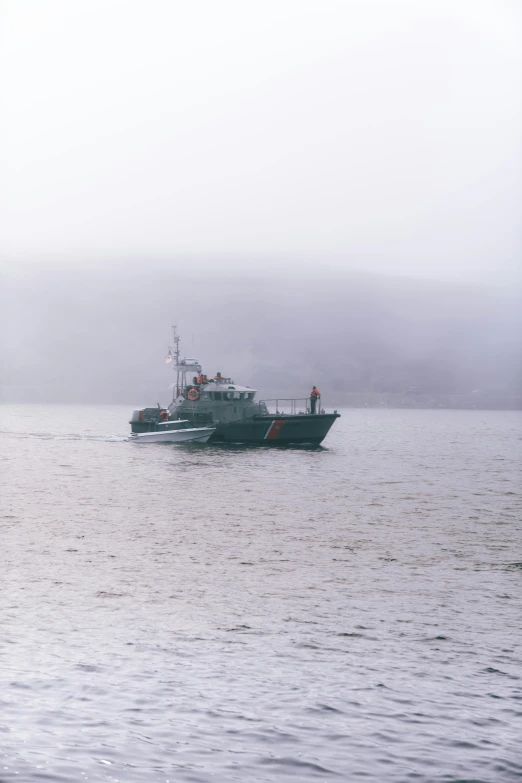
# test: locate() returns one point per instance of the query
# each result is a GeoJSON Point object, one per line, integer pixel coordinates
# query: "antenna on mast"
{"type": "Point", "coordinates": [176, 342]}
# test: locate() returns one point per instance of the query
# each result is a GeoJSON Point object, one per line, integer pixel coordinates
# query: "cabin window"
{"type": "Point", "coordinates": [206, 396]}
{"type": "Point", "coordinates": [217, 395]}
{"type": "Point", "coordinates": [237, 395]}
{"type": "Point", "coordinates": [202, 419]}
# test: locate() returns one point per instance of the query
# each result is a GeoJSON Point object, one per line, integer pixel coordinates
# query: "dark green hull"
{"type": "Point", "coordinates": [276, 430]}
{"type": "Point", "coordinates": [267, 429]}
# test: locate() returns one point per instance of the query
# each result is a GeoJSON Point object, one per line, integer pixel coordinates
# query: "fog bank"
{"type": "Point", "coordinates": [77, 335]}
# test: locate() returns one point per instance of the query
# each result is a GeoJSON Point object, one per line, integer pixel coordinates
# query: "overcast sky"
{"type": "Point", "coordinates": [381, 135]}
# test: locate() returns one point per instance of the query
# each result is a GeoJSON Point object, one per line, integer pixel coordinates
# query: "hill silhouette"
{"type": "Point", "coordinates": [95, 335]}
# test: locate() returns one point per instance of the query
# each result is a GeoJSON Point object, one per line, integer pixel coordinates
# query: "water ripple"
{"type": "Point", "coordinates": [238, 614]}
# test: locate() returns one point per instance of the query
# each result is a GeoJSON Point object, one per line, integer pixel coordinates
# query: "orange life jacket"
{"type": "Point", "coordinates": [315, 393]}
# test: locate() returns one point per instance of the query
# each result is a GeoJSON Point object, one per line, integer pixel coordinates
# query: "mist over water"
{"type": "Point", "coordinates": [101, 335]}
{"type": "Point", "coordinates": [349, 612]}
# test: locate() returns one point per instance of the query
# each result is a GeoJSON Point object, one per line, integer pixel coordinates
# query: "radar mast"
{"type": "Point", "coordinates": [175, 337]}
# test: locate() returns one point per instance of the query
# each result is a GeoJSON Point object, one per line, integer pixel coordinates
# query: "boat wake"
{"type": "Point", "coordinates": [66, 436]}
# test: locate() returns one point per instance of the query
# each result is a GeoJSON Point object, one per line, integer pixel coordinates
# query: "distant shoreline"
{"type": "Point", "coordinates": [477, 401]}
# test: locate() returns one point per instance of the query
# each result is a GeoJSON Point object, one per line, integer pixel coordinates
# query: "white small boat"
{"type": "Point", "coordinates": [189, 435]}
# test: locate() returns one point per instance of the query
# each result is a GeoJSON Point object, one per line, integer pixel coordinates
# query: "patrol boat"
{"type": "Point", "coordinates": [230, 410]}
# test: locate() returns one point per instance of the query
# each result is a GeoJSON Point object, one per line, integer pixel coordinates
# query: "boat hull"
{"type": "Point", "coordinates": [277, 430]}
{"type": "Point", "coordinates": [193, 435]}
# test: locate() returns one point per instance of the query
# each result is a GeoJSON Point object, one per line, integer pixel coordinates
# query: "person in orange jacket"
{"type": "Point", "coordinates": [315, 395]}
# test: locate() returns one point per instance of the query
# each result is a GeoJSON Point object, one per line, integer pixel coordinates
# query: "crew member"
{"type": "Point", "coordinates": [315, 395]}
{"type": "Point", "coordinates": [218, 377]}
{"type": "Point", "coordinates": [164, 416]}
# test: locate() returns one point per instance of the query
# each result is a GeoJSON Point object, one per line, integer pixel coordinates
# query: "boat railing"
{"type": "Point", "coordinates": [289, 405]}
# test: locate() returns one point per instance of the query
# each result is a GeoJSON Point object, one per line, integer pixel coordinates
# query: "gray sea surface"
{"type": "Point", "coordinates": [212, 613]}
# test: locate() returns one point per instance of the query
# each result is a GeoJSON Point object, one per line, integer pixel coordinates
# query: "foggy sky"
{"type": "Point", "coordinates": [369, 135]}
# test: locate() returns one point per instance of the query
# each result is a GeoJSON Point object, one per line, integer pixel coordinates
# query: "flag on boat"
{"type": "Point", "coordinates": [168, 357]}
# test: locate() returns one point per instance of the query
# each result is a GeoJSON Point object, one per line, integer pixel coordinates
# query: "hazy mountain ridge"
{"type": "Point", "coordinates": [93, 336]}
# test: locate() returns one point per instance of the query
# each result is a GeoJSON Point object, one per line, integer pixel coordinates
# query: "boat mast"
{"type": "Point", "coordinates": [176, 343]}
{"type": "Point", "coordinates": [182, 366]}
{"type": "Point", "coordinates": [175, 338]}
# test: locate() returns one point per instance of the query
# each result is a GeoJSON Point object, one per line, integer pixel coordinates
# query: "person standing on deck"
{"type": "Point", "coordinates": [314, 396]}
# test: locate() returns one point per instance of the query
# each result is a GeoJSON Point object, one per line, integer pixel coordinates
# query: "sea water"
{"type": "Point", "coordinates": [229, 613]}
